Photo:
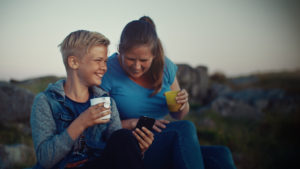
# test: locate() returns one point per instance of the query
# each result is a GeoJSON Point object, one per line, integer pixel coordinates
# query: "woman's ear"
{"type": "Point", "coordinates": [73, 62]}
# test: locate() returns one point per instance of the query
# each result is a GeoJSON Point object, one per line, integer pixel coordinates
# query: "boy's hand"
{"type": "Point", "coordinates": [145, 138]}
{"type": "Point", "coordinates": [93, 114]}
{"type": "Point", "coordinates": [87, 119]}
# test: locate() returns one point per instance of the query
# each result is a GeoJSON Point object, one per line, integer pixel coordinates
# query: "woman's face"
{"type": "Point", "coordinates": [137, 61]}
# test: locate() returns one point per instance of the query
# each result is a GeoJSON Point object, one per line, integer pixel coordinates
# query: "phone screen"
{"type": "Point", "coordinates": [146, 122]}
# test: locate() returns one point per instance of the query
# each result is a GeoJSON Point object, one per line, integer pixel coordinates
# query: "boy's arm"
{"type": "Point", "coordinates": [50, 147]}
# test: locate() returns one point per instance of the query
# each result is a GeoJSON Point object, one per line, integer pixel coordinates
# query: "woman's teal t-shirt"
{"type": "Point", "coordinates": [132, 99]}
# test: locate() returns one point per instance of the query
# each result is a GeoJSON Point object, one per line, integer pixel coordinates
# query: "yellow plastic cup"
{"type": "Point", "coordinates": [171, 101]}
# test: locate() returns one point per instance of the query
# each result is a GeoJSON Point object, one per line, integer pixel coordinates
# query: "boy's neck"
{"type": "Point", "coordinates": [75, 90]}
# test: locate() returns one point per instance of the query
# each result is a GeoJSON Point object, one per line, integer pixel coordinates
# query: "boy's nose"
{"type": "Point", "coordinates": [103, 67]}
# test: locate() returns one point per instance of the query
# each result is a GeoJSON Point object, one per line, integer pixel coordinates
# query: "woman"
{"type": "Point", "coordinates": [137, 78]}
{"type": "Point", "coordinates": [139, 75]}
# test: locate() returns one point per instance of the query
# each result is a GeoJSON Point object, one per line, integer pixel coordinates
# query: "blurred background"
{"type": "Point", "coordinates": [238, 59]}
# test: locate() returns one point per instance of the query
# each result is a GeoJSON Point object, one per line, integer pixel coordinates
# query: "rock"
{"type": "Point", "coordinates": [15, 103]}
{"type": "Point", "coordinates": [243, 81]}
{"type": "Point", "coordinates": [208, 123]}
{"type": "Point", "coordinates": [13, 155]}
{"type": "Point", "coordinates": [235, 108]}
{"type": "Point", "coordinates": [194, 80]}
{"type": "Point", "coordinates": [217, 90]}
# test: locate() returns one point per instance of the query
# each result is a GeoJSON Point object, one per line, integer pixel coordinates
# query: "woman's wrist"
{"type": "Point", "coordinates": [133, 123]}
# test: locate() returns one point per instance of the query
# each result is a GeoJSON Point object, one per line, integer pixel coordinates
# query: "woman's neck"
{"type": "Point", "coordinates": [144, 81]}
{"type": "Point", "coordinates": [75, 90]}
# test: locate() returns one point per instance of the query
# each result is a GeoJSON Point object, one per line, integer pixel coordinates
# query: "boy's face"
{"type": "Point", "coordinates": [92, 66]}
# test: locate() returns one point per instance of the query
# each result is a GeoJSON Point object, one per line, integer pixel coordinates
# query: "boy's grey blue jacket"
{"type": "Point", "coordinates": [49, 120]}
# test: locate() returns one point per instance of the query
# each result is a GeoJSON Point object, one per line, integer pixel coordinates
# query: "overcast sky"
{"type": "Point", "coordinates": [236, 37]}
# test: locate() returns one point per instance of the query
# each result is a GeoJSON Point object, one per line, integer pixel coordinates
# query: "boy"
{"type": "Point", "coordinates": [69, 133]}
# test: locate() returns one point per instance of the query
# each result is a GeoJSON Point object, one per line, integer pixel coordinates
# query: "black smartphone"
{"type": "Point", "coordinates": [146, 122]}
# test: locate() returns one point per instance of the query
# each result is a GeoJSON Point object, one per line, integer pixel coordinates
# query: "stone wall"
{"type": "Point", "coordinates": [195, 81]}
{"type": "Point", "coordinates": [15, 103]}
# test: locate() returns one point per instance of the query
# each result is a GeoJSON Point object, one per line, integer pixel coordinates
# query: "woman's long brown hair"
{"type": "Point", "coordinates": [137, 33]}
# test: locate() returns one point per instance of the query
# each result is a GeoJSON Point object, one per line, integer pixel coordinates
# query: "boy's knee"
{"type": "Point", "coordinates": [122, 139]}
{"type": "Point", "coordinates": [121, 134]}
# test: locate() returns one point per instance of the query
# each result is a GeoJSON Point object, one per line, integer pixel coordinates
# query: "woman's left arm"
{"type": "Point", "coordinates": [181, 98]}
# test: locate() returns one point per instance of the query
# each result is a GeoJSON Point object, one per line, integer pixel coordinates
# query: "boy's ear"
{"type": "Point", "coordinates": [73, 62]}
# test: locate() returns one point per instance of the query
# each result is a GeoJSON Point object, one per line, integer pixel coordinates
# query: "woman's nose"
{"type": "Point", "coordinates": [137, 65]}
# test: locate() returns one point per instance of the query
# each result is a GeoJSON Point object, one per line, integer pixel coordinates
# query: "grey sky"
{"type": "Point", "coordinates": [233, 36]}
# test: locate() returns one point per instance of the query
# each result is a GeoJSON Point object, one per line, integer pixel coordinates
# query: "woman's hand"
{"type": "Point", "coordinates": [159, 125]}
{"type": "Point", "coordinates": [145, 138]}
{"type": "Point", "coordinates": [182, 98]}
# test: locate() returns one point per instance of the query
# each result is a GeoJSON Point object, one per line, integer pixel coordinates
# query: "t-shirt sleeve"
{"type": "Point", "coordinates": [109, 76]}
{"type": "Point", "coordinates": [170, 70]}
{"type": "Point", "coordinates": [106, 82]}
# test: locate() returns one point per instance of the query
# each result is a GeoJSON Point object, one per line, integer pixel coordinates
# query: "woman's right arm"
{"type": "Point", "coordinates": [129, 123]}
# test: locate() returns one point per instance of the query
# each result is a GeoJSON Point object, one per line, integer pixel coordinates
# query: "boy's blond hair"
{"type": "Point", "coordinates": [79, 43]}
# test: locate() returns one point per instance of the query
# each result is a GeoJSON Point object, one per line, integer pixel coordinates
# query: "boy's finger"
{"type": "Point", "coordinates": [148, 132]}
{"type": "Point", "coordinates": [101, 121]}
{"type": "Point", "coordinates": [140, 140]}
{"type": "Point", "coordinates": [99, 105]}
{"type": "Point", "coordinates": [146, 140]}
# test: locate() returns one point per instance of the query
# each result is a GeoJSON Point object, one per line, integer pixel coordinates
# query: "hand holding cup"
{"type": "Point", "coordinates": [106, 104]}
{"type": "Point", "coordinates": [176, 100]}
{"type": "Point", "coordinates": [93, 115]}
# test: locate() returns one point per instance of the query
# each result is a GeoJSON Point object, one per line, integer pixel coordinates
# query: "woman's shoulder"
{"type": "Point", "coordinates": [170, 70]}
{"type": "Point", "coordinates": [113, 65]}
{"type": "Point", "coordinates": [112, 59]}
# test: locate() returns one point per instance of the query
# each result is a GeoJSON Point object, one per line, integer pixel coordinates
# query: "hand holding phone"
{"type": "Point", "coordinates": [146, 122]}
{"type": "Point", "coordinates": [144, 136]}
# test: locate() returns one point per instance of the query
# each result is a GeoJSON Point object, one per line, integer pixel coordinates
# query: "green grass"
{"type": "Point", "coordinates": [10, 135]}
{"type": "Point", "coordinates": [37, 85]}
{"type": "Point", "coordinates": [287, 80]}
{"type": "Point", "coordinates": [271, 142]}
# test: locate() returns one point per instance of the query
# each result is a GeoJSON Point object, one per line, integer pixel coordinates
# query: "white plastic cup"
{"type": "Point", "coordinates": [106, 101]}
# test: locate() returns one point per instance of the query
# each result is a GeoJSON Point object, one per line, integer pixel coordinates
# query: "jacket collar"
{"type": "Point", "coordinates": [57, 90]}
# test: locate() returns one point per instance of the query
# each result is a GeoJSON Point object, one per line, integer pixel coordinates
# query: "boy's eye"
{"type": "Point", "coordinates": [144, 60]}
